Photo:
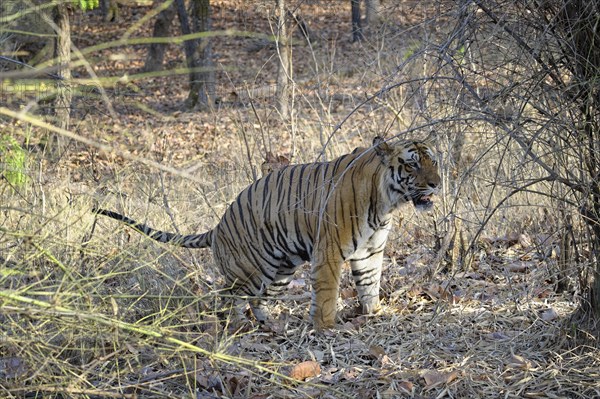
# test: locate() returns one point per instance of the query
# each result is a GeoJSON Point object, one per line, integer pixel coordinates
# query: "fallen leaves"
{"type": "Point", "coordinates": [379, 353]}
{"type": "Point", "coordinates": [305, 370]}
{"type": "Point", "coordinates": [518, 362]}
{"type": "Point", "coordinates": [519, 267]}
{"type": "Point", "coordinates": [406, 387]}
{"type": "Point", "coordinates": [376, 351]}
{"type": "Point", "coordinates": [434, 291]}
{"type": "Point", "coordinates": [434, 378]}
{"type": "Point", "coordinates": [549, 315]}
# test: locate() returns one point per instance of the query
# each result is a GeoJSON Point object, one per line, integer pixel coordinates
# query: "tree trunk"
{"type": "Point", "coordinates": [284, 72]}
{"type": "Point", "coordinates": [302, 26]}
{"type": "Point", "coordinates": [357, 33]}
{"type": "Point", "coordinates": [62, 54]}
{"type": "Point", "coordinates": [110, 10]}
{"type": "Point", "coordinates": [592, 311]}
{"type": "Point", "coordinates": [189, 47]}
{"type": "Point", "coordinates": [204, 84]}
{"type": "Point", "coordinates": [591, 130]}
{"type": "Point", "coordinates": [585, 36]}
{"type": "Point", "coordinates": [373, 12]}
{"type": "Point", "coordinates": [156, 51]}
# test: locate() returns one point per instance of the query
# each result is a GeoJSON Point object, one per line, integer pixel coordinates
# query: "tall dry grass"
{"type": "Point", "coordinates": [92, 309]}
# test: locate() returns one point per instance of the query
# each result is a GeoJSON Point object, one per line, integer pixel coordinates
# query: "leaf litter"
{"type": "Point", "coordinates": [425, 341]}
{"type": "Point", "coordinates": [496, 330]}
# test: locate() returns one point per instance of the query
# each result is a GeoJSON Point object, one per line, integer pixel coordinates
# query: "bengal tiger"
{"type": "Point", "coordinates": [323, 212]}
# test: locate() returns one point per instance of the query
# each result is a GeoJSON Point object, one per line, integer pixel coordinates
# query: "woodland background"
{"type": "Point", "coordinates": [165, 110]}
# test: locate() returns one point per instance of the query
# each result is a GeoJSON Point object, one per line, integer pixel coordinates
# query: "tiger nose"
{"type": "Point", "coordinates": [434, 181]}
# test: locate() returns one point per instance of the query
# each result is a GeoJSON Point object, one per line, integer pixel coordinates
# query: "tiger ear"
{"type": "Point", "coordinates": [383, 149]}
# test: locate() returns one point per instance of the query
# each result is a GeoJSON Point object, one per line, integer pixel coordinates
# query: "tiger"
{"type": "Point", "coordinates": [325, 213]}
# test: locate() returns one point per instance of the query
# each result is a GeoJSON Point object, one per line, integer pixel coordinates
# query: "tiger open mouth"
{"type": "Point", "coordinates": [423, 202]}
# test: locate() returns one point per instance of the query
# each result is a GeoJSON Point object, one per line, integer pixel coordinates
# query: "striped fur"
{"type": "Point", "coordinates": [326, 213]}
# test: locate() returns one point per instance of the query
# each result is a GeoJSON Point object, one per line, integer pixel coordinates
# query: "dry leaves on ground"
{"type": "Point", "coordinates": [305, 370]}
{"type": "Point", "coordinates": [434, 378]}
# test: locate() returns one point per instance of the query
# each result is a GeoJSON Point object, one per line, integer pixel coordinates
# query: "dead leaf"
{"type": "Point", "coordinates": [434, 378]}
{"type": "Point", "coordinates": [406, 387]}
{"type": "Point", "coordinates": [238, 382]}
{"type": "Point", "coordinates": [210, 381]}
{"type": "Point", "coordinates": [435, 291]}
{"type": "Point", "coordinates": [351, 374]}
{"type": "Point", "coordinates": [549, 315]}
{"type": "Point", "coordinates": [525, 241]}
{"type": "Point", "coordinates": [415, 291]}
{"type": "Point", "coordinates": [359, 321]}
{"type": "Point", "coordinates": [348, 326]}
{"type": "Point", "coordinates": [386, 362]}
{"type": "Point", "coordinates": [277, 326]}
{"type": "Point", "coordinates": [348, 293]}
{"type": "Point", "coordinates": [543, 293]}
{"type": "Point", "coordinates": [518, 267]}
{"type": "Point", "coordinates": [518, 362]}
{"type": "Point", "coordinates": [305, 370]}
{"type": "Point", "coordinates": [210, 324]}
{"type": "Point", "coordinates": [472, 275]}
{"type": "Point", "coordinates": [132, 348]}
{"type": "Point", "coordinates": [330, 375]}
{"type": "Point", "coordinates": [376, 351]}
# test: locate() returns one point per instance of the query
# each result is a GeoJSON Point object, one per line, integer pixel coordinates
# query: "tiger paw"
{"type": "Point", "coordinates": [320, 325]}
{"type": "Point", "coordinates": [371, 308]}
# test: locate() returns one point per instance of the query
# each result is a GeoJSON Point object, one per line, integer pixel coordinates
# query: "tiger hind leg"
{"type": "Point", "coordinates": [260, 306]}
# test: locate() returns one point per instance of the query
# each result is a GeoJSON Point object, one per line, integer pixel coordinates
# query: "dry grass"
{"type": "Point", "coordinates": [138, 319]}
{"type": "Point", "coordinates": [92, 309]}
{"type": "Point", "coordinates": [89, 308]}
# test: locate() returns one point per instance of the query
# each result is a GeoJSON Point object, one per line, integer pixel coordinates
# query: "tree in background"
{"type": "Point", "coordinates": [110, 10]}
{"type": "Point", "coordinates": [202, 89]}
{"type": "Point", "coordinates": [198, 54]}
{"type": "Point", "coordinates": [357, 33]}
{"type": "Point", "coordinates": [156, 51]}
{"type": "Point", "coordinates": [284, 70]}
{"type": "Point", "coordinates": [62, 56]}
{"type": "Point", "coordinates": [372, 20]}
{"type": "Point", "coordinates": [373, 12]}
{"type": "Point", "coordinates": [62, 61]}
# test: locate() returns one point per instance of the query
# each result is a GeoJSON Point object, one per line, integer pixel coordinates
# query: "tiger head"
{"type": "Point", "coordinates": [413, 173]}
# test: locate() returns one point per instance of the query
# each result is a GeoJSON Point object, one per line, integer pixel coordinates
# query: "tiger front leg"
{"type": "Point", "coordinates": [326, 283]}
{"type": "Point", "coordinates": [367, 277]}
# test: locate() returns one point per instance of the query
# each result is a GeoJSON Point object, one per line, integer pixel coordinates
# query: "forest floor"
{"type": "Point", "coordinates": [91, 309]}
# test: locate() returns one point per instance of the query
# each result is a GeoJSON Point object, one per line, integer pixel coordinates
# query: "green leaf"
{"type": "Point", "coordinates": [14, 162]}
{"type": "Point", "coordinates": [87, 4]}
